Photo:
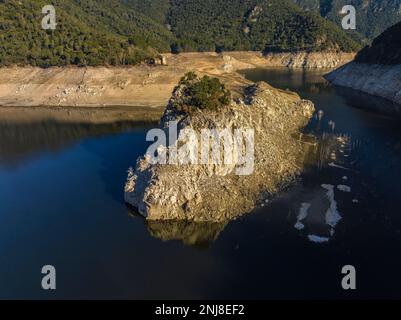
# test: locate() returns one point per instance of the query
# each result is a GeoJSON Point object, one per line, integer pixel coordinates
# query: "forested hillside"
{"type": "Point", "coordinates": [277, 25]}
{"type": "Point", "coordinates": [88, 32]}
{"type": "Point", "coordinates": [373, 16]}
{"type": "Point", "coordinates": [121, 32]}
{"type": "Point", "coordinates": [385, 49]}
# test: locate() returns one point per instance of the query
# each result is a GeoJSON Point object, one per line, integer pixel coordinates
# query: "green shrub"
{"type": "Point", "coordinates": [202, 93]}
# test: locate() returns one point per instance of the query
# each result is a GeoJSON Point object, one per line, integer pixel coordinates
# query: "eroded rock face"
{"type": "Point", "coordinates": [213, 192]}
{"type": "Point", "coordinates": [310, 60]}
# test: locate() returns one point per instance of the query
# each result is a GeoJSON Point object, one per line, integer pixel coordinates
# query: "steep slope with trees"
{"type": "Point", "coordinates": [373, 16]}
{"type": "Point", "coordinates": [385, 49]}
{"type": "Point", "coordinates": [273, 25]}
{"type": "Point", "coordinates": [88, 33]}
{"type": "Point", "coordinates": [124, 32]}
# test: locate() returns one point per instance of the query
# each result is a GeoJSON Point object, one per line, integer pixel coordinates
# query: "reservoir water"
{"type": "Point", "coordinates": [61, 204]}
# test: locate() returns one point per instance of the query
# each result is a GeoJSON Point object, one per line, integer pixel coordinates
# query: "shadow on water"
{"type": "Point", "coordinates": [18, 142]}
{"type": "Point", "coordinates": [358, 99]}
{"type": "Point", "coordinates": [24, 133]}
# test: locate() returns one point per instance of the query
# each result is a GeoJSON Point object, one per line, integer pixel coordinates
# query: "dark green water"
{"type": "Point", "coordinates": [61, 203]}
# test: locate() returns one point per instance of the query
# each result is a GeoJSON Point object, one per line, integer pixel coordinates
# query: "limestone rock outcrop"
{"type": "Point", "coordinates": [310, 60]}
{"type": "Point", "coordinates": [216, 192]}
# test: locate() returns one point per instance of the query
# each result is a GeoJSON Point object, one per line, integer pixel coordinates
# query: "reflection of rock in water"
{"type": "Point", "coordinates": [329, 149]}
{"type": "Point", "coordinates": [196, 234]}
{"type": "Point", "coordinates": [317, 214]}
{"type": "Point", "coordinates": [316, 88]}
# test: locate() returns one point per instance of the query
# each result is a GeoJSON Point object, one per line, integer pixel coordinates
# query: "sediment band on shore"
{"type": "Point", "coordinates": [141, 85]}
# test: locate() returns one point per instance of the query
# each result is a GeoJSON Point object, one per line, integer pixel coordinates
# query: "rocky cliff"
{"type": "Point", "coordinates": [216, 192]}
{"type": "Point", "coordinates": [293, 60]}
{"type": "Point", "coordinates": [310, 60]}
{"type": "Point", "coordinates": [379, 80]}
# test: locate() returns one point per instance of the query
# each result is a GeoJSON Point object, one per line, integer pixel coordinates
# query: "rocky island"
{"type": "Point", "coordinates": [218, 191]}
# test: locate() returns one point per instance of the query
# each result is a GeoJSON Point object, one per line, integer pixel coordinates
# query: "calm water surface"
{"type": "Point", "coordinates": [61, 203]}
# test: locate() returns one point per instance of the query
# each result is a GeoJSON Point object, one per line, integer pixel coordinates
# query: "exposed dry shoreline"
{"type": "Point", "coordinates": [375, 79]}
{"type": "Point", "coordinates": [142, 85]}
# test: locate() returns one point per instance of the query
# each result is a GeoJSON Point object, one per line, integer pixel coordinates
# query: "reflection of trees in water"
{"type": "Point", "coordinates": [196, 234]}
{"type": "Point", "coordinates": [20, 140]}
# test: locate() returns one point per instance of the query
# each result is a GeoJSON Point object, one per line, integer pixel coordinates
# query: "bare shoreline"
{"type": "Point", "coordinates": [374, 79]}
{"type": "Point", "coordinates": [141, 86]}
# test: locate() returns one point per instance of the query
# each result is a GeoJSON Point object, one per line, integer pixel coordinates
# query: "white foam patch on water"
{"type": "Point", "coordinates": [344, 188]}
{"type": "Point", "coordinates": [317, 239]}
{"type": "Point", "coordinates": [299, 226]}
{"type": "Point", "coordinates": [303, 213]}
{"type": "Point", "coordinates": [332, 214]}
{"type": "Point", "coordinates": [332, 164]}
{"type": "Point", "coordinates": [345, 178]}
